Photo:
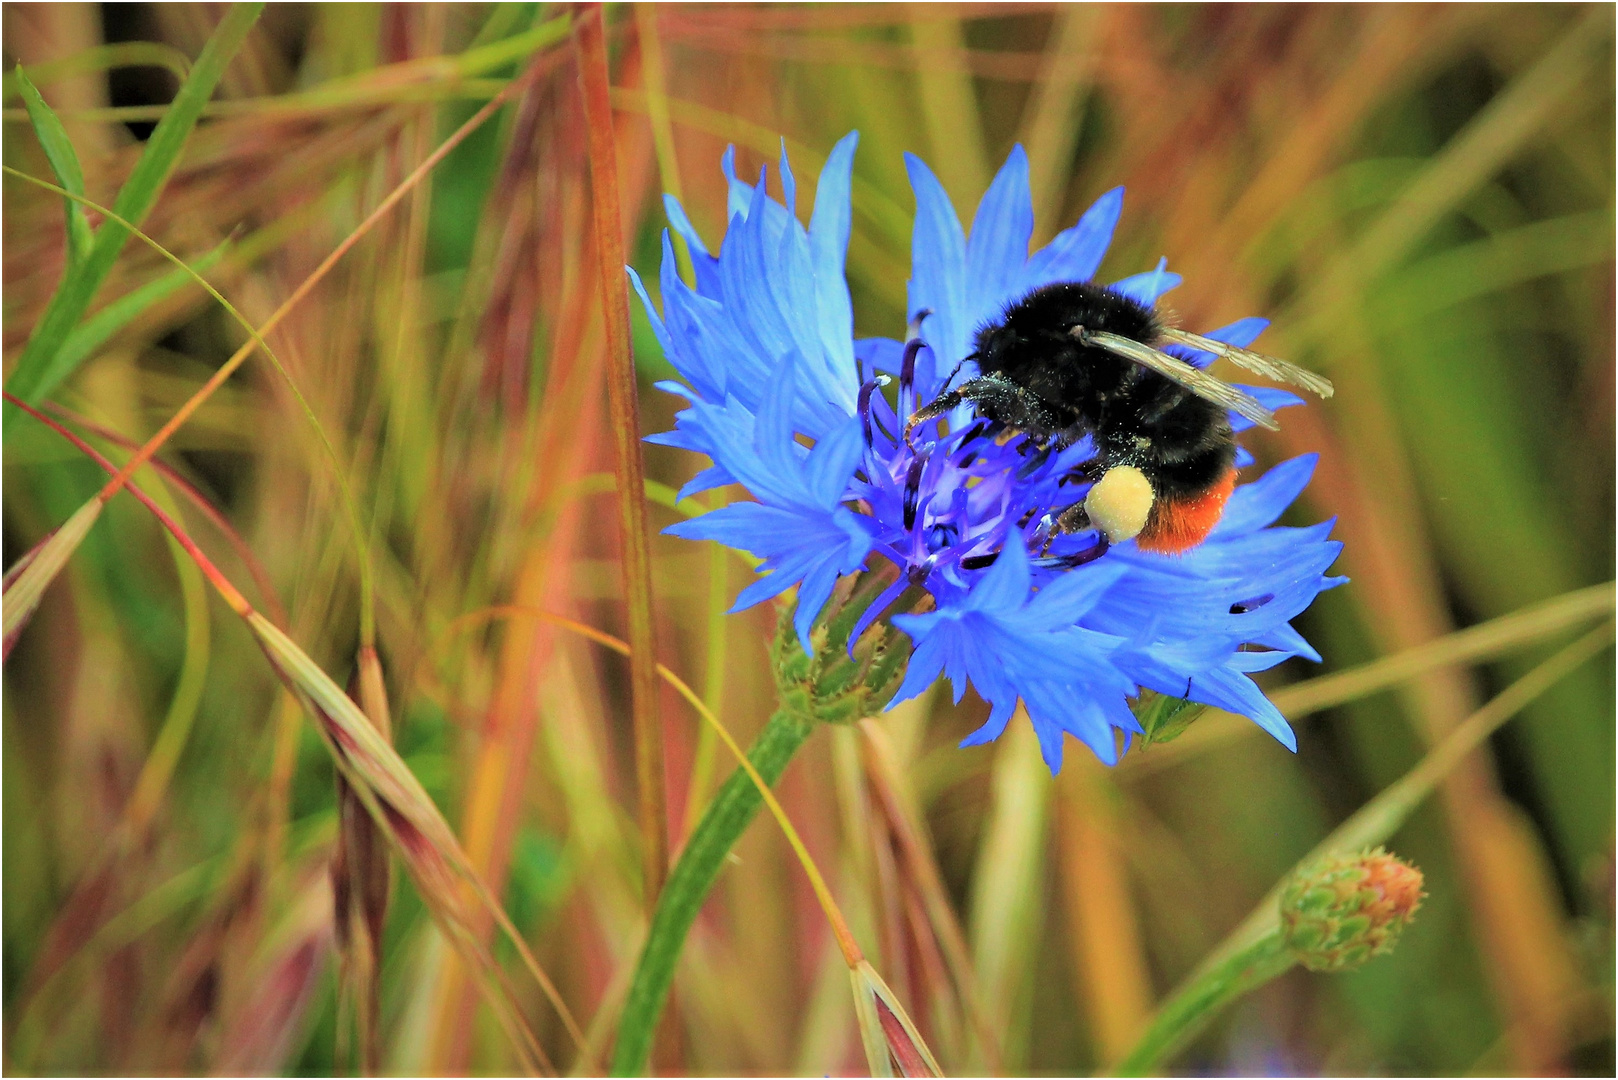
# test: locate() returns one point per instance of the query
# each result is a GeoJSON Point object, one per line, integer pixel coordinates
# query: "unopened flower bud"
{"type": "Point", "coordinates": [1344, 908]}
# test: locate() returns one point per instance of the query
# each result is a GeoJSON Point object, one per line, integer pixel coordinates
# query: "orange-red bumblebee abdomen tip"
{"type": "Point", "coordinates": [1179, 524]}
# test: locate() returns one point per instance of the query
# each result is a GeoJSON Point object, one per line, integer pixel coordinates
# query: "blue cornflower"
{"type": "Point", "coordinates": [787, 403]}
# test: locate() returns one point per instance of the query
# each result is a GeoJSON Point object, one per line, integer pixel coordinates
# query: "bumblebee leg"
{"type": "Point", "coordinates": [1071, 520]}
{"type": "Point", "coordinates": [1014, 406]}
{"type": "Point", "coordinates": [940, 405]}
{"type": "Point", "coordinates": [1086, 472]}
{"type": "Point", "coordinates": [1074, 519]}
{"type": "Point", "coordinates": [1089, 554]}
{"type": "Point", "coordinates": [998, 399]}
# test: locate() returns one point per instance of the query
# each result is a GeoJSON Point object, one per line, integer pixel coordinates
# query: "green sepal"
{"type": "Point", "coordinates": [833, 686]}
{"type": "Point", "coordinates": [1164, 718]}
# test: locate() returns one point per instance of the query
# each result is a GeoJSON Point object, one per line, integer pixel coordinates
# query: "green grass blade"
{"type": "Point", "coordinates": [137, 196]}
{"type": "Point", "coordinates": [64, 163]}
{"type": "Point", "coordinates": [93, 332]}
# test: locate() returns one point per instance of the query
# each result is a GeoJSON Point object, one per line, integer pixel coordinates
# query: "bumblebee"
{"type": "Point", "coordinates": [1075, 359]}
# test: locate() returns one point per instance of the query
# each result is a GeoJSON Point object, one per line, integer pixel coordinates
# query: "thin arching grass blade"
{"type": "Point", "coordinates": [95, 331]}
{"type": "Point", "coordinates": [103, 58]}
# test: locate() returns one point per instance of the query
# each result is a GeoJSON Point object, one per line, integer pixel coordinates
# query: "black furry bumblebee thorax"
{"type": "Point", "coordinates": [1181, 441]}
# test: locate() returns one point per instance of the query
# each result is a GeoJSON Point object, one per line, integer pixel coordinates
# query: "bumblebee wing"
{"type": "Point", "coordinates": [1270, 367]}
{"type": "Point", "coordinates": [1196, 380]}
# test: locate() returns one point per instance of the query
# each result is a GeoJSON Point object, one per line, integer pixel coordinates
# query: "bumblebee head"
{"type": "Point", "coordinates": [1120, 502]}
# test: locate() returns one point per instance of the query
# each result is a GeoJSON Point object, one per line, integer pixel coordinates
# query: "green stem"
{"type": "Point", "coordinates": [727, 817]}
{"type": "Point", "coordinates": [1187, 1012]}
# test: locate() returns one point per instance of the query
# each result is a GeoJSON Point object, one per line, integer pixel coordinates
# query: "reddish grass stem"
{"type": "Point", "coordinates": [273, 609]}
{"type": "Point", "coordinates": [591, 51]}
{"type": "Point", "coordinates": [231, 595]}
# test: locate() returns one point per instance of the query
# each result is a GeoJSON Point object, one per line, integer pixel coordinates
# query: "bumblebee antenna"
{"type": "Point", "coordinates": [1194, 379]}
{"type": "Point", "coordinates": [1271, 367]}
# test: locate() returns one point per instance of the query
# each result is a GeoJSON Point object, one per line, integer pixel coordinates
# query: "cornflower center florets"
{"type": "Point", "coordinates": [945, 504]}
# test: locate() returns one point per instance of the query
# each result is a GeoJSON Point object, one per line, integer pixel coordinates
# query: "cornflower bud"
{"type": "Point", "coordinates": [1344, 908]}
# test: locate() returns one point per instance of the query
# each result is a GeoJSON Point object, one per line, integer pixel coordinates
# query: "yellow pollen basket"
{"type": "Point", "coordinates": [1119, 503]}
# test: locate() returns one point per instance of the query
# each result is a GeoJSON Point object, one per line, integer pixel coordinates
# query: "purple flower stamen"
{"type": "Point", "coordinates": [907, 377]}
{"type": "Point", "coordinates": [866, 390]}
{"type": "Point", "coordinates": [912, 489]}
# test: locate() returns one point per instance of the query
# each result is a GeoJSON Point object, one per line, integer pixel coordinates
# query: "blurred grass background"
{"type": "Point", "coordinates": [1420, 197]}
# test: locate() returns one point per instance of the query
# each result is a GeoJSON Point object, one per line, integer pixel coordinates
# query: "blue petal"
{"type": "Point", "coordinates": [993, 728]}
{"type": "Point", "coordinates": [682, 225]}
{"type": "Point", "coordinates": [1236, 693]}
{"type": "Point", "coordinates": [1076, 253]}
{"type": "Point", "coordinates": [1249, 662]}
{"type": "Point", "coordinates": [745, 526]}
{"type": "Point", "coordinates": [928, 658]}
{"type": "Point", "coordinates": [832, 461]}
{"type": "Point", "coordinates": [764, 588]}
{"type": "Point", "coordinates": [714, 476]}
{"type": "Point", "coordinates": [658, 329]}
{"type": "Point", "coordinates": [1005, 586]}
{"type": "Point", "coordinates": [1271, 397]}
{"type": "Point", "coordinates": [1071, 596]}
{"type": "Point", "coordinates": [739, 194]}
{"type": "Point", "coordinates": [998, 248]}
{"type": "Point", "coordinates": [789, 185]}
{"type": "Point", "coordinates": [1146, 288]}
{"type": "Point", "coordinates": [690, 321]}
{"type": "Point", "coordinates": [879, 354]}
{"type": "Point", "coordinates": [828, 249]}
{"type": "Point", "coordinates": [1284, 638]}
{"type": "Point", "coordinates": [705, 265]}
{"type": "Point", "coordinates": [937, 265]}
{"type": "Point", "coordinates": [812, 596]}
{"type": "Point", "coordinates": [1050, 745]}
{"type": "Point", "coordinates": [1253, 506]}
{"type": "Point", "coordinates": [1241, 333]}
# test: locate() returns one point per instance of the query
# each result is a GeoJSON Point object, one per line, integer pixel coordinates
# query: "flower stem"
{"type": "Point", "coordinates": [1185, 1014]}
{"type": "Point", "coordinates": [727, 817]}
